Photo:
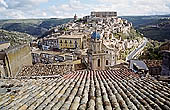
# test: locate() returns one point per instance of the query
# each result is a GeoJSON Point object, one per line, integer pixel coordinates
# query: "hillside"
{"type": "Point", "coordinates": [155, 27]}
{"type": "Point", "coordinates": [15, 38]}
{"type": "Point", "coordinates": [159, 30]}
{"type": "Point", "coordinates": [139, 21]}
{"type": "Point", "coordinates": [152, 51]}
{"type": "Point", "coordinates": [34, 27]}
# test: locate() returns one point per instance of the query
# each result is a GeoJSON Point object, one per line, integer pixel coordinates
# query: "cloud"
{"type": "Point", "coordinates": [136, 7]}
{"type": "Point", "coordinates": [38, 1]}
{"type": "Point", "coordinates": [24, 4]}
{"type": "Point", "coordinates": [20, 9]}
{"type": "Point", "coordinates": [67, 8]}
{"type": "Point", "coordinates": [3, 3]}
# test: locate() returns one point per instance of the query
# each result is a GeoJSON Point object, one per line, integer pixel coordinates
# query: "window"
{"type": "Point", "coordinates": [75, 44]}
{"type": "Point", "coordinates": [98, 63]}
{"type": "Point", "coordinates": [107, 52]}
{"type": "Point", "coordinates": [61, 41]}
{"type": "Point", "coordinates": [70, 42]}
{"type": "Point", "coordinates": [107, 62]}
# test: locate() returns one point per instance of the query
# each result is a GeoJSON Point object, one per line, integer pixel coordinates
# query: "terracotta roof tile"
{"type": "Point", "coordinates": [91, 90]}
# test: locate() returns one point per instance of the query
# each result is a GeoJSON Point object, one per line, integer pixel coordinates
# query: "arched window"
{"type": "Point", "coordinates": [107, 62]}
{"type": "Point", "coordinates": [98, 62]}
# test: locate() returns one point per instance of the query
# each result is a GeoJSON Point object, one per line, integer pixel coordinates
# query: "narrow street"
{"type": "Point", "coordinates": [137, 50]}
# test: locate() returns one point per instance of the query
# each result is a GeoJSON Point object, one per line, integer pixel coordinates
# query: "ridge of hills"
{"type": "Point", "coordinates": [34, 27]}
{"type": "Point", "coordinates": [156, 27]}
{"type": "Point", "coordinates": [15, 38]}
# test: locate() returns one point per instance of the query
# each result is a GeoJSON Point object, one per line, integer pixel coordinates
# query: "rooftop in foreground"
{"type": "Point", "coordinates": [100, 90]}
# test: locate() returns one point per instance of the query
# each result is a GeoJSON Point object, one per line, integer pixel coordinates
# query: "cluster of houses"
{"type": "Point", "coordinates": [77, 35]}
{"type": "Point", "coordinates": [90, 42]}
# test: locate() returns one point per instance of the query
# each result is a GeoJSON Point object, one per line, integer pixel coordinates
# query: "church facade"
{"type": "Point", "coordinates": [99, 56]}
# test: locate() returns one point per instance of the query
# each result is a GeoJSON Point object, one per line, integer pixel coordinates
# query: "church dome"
{"type": "Point", "coordinates": [95, 35]}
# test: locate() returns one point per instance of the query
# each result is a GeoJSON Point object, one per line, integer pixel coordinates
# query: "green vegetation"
{"type": "Point", "coordinates": [34, 27]}
{"type": "Point", "coordinates": [159, 30]}
{"type": "Point", "coordinates": [152, 51]}
{"type": "Point", "coordinates": [15, 38]}
{"type": "Point", "coordinates": [132, 35]}
{"type": "Point", "coordinates": [155, 27]}
{"type": "Point", "coordinates": [138, 21]}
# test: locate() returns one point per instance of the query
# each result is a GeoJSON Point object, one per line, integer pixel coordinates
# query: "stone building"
{"type": "Point", "coordinates": [111, 56]}
{"type": "Point", "coordinates": [4, 45]}
{"type": "Point", "coordinates": [63, 42]}
{"type": "Point", "coordinates": [99, 55]}
{"type": "Point", "coordinates": [104, 14]}
{"type": "Point", "coordinates": [154, 67]}
{"type": "Point", "coordinates": [96, 56]}
{"type": "Point", "coordinates": [166, 63]}
{"type": "Point", "coordinates": [70, 41]}
{"type": "Point", "coordinates": [13, 59]}
{"type": "Point", "coordinates": [46, 58]}
{"type": "Point", "coordinates": [75, 17]}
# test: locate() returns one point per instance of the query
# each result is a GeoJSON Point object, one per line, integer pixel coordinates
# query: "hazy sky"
{"type": "Point", "coordinates": [67, 8]}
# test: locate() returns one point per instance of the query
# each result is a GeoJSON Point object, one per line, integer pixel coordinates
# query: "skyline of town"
{"type": "Point", "coordinates": [19, 9]}
{"type": "Point", "coordinates": [98, 62]}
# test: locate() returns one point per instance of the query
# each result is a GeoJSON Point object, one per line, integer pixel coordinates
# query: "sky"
{"type": "Point", "coordinates": [24, 9]}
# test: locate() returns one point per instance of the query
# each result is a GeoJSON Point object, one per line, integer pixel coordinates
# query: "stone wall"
{"type": "Point", "coordinates": [4, 45]}
{"type": "Point", "coordinates": [17, 58]}
{"type": "Point", "coordinates": [166, 64]}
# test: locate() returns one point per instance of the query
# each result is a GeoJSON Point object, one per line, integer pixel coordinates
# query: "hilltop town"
{"type": "Point", "coordinates": [89, 63]}
{"type": "Point", "coordinates": [113, 33]}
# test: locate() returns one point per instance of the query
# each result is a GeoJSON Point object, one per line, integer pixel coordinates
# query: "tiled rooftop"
{"type": "Point", "coordinates": [43, 70]}
{"type": "Point", "coordinates": [100, 90]}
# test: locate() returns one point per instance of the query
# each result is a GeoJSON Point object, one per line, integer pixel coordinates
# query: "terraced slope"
{"type": "Point", "coordinates": [88, 90]}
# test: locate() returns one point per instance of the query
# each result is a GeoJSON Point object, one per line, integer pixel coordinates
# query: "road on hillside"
{"type": "Point", "coordinates": [140, 48]}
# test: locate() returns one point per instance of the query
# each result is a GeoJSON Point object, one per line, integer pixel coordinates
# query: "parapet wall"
{"type": "Point", "coordinates": [17, 58]}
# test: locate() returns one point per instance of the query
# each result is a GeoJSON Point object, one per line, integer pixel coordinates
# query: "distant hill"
{"type": "Point", "coordinates": [155, 27]}
{"type": "Point", "coordinates": [144, 20]}
{"type": "Point", "coordinates": [159, 30]}
{"type": "Point", "coordinates": [15, 38]}
{"type": "Point", "coordinates": [35, 27]}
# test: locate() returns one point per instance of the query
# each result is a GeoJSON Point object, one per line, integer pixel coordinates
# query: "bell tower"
{"type": "Point", "coordinates": [75, 17]}
{"type": "Point", "coordinates": [96, 56]}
